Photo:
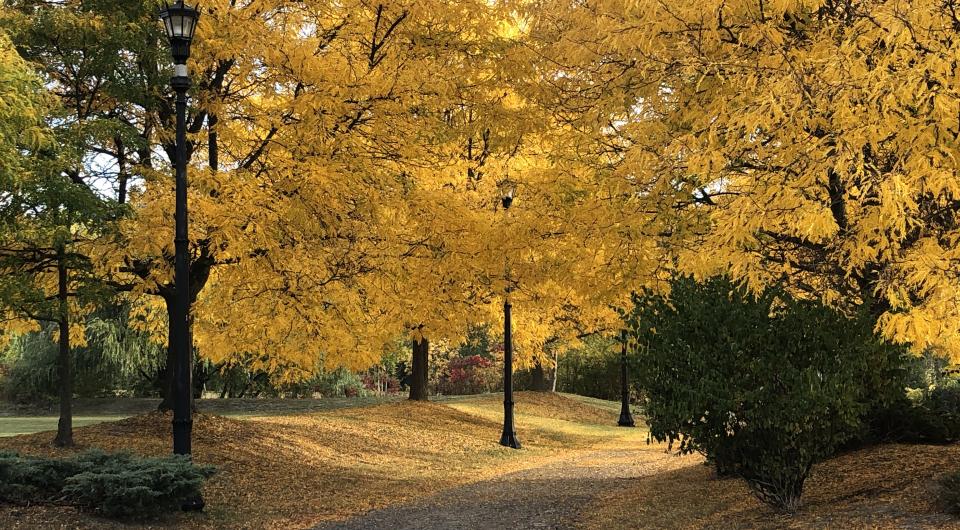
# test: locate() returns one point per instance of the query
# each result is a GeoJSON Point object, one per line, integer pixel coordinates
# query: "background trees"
{"type": "Point", "coordinates": [47, 223]}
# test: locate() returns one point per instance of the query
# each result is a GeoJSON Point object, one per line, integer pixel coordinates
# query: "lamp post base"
{"type": "Point", "coordinates": [194, 504]}
{"type": "Point", "coordinates": [509, 439]}
{"type": "Point", "coordinates": [626, 419]}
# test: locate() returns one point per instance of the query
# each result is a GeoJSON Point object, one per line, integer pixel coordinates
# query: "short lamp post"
{"type": "Point", "coordinates": [509, 437]}
{"type": "Point", "coordinates": [626, 418]}
{"type": "Point", "coordinates": [180, 21]}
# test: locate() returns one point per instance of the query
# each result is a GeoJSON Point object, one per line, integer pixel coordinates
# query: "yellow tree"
{"type": "Point", "coordinates": [808, 142]}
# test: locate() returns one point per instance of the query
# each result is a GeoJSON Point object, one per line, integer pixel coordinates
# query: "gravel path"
{"type": "Point", "coordinates": [547, 497]}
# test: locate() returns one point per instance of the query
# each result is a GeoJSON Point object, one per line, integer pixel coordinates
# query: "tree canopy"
{"type": "Point", "coordinates": [347, 162]}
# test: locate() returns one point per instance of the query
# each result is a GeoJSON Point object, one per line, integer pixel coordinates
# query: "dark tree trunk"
{"type": "Point", "coordinates": [538, 379]}
{"type": "Point", "coordinates": [65, 373]}
{"type": "Point", "coordinates": [418, 377]}
{"type": "Point", "coordinates": [213, 149]}
{"type": "Point", "coordinates": [166, 381]}
{"type": "Point", "coordinates": [200, 377]}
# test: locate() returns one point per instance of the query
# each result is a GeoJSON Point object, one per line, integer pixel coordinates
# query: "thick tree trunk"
{"type": "Point", "coordinates": [418, 377]}
{"type": "Point", "coordinates": [538, 379]}
{"type": "Point", "coordinates": [65, 425]}
{"type": "Point", "coordinates": [166, 383]}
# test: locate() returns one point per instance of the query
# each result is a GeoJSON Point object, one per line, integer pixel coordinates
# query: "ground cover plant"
{"type": "Point", "coordinates": [114, 485]}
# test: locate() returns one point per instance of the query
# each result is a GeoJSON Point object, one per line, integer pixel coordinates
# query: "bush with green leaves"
{"type": "Point", "coordinates": [33, 480]}
{"type": "Point", "coordinates": [764, 386]}
{"type": "Point", "coordinates": [934, 417]}
{"type": "Point", "coordinates": [114, 485]}
{"type": "Point", "coordinates": [592, 369]}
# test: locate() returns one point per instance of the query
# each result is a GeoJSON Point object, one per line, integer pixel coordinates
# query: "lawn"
{"type": "Point", "coordinates": [15, 425]}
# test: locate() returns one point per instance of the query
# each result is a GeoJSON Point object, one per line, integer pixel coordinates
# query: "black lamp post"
{"type": "Point", "coordinates": [626, 419]}
{"type": "Point", "coordinates": [180, 21]}
{"type": "Point", "coordinates": [508, 438]}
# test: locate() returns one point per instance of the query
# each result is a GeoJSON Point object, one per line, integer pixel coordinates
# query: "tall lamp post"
{"type": "Point", "coordinates": [626, 419]}
{"type": "Point", "coordinates": [180, 21]}
{"type": "Point", "coordinates": [508, 438]}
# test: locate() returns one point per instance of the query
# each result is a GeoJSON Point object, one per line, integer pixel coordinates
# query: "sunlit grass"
{"type": "Point", "coordinates": [14, 425]}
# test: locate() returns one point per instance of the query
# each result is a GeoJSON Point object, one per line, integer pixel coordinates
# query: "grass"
{"type": "Point", "coordinates": [14, 426]}
{"type": "Point", "coordinates": [17, 420]}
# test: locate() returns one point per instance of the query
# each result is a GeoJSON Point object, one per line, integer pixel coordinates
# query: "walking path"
{"type": "Point", "coordinates": [548, 497]}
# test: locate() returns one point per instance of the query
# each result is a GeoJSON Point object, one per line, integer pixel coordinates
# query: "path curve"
{"type": "Point", "coordinates": [546, 497]}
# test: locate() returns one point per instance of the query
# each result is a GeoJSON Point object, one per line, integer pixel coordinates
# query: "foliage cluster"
{"type": "Point", "coordinates": [469, 375]}
{"type": "Point", "coordinates": [238, 381]}
{"type": "Point", "coordinates": [764, 386]}
{"type": "Point", "coordinates": [930, 416]}
{"type": "Point", "coordinates": [116, 359]}
{"type": "Point", "coordinates": [114, 485]}
{"type": "Point", "coordinates": [593, 369]}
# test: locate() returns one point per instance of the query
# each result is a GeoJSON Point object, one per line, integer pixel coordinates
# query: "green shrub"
{"type": "Point", "coordinates": [948, 492]}
{"type": "Point", "coordinates": [30, 479]}
{"type": "Point", "coordinates": [763, 386]}
{"type": "Point", "coordinates": [933, 418]}
{"type": "Point", "coordinates": [126, 486]}
{"type": "Point", "coordinates": [114, 485]}
{"type": "Point", "coordinates": [593, 369]}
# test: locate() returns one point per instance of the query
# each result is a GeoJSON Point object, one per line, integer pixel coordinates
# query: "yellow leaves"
{"type": "Point", "coordinates": [831, 140]}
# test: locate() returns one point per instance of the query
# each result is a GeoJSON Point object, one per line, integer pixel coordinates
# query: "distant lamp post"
{"type": "Point", "coordinates": [180, 21]}
{"type": "Point", "coordinates": [508, 438]}
{"type": "Point", "coordinates": [626, 419]}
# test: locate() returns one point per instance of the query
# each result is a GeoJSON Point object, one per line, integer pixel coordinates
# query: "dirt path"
{"type": "Point", "coordinates": [548, 497]}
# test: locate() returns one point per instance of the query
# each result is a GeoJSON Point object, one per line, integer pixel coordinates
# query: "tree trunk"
{"type": "Point", "coordinates": [556, 370]}
{"type": "Point", "coordinates": [418, 379]}
{"type": "Point", "coordinates": [538, 379]}
{"type": "Point", "coordinates": [65, 425]}
{"type": "Point", "coordinates": [166, 384]}
{"type": "Point", "coordinates": [200, 377]}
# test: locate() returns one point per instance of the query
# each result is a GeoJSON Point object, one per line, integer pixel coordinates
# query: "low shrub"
{"type": "Point", "coordinates": [592, 369]}
{"type": "Point", "coordinates": [931, 417]}
{"type": "Point", "coordinates": [469, 375]}
{"type": "Point", "coordinates": [26, 480]}
{"type": "Point", "coordinates": [114, 485]}
{"type": "Point", "coordinates": [948, 492]}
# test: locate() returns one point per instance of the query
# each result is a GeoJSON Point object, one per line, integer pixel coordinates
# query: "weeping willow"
{"type": "Point", "coordinates": [117, 360]}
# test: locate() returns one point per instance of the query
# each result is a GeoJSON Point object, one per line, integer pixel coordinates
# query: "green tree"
{"type": "Point", "coordinates": [46, 220]}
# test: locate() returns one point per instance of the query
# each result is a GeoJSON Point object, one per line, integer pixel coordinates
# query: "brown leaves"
{"type": "Point", "coordinates": [296, 470]}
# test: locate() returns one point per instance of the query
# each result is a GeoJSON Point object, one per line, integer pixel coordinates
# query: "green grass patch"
{"type": "Point", "coordinates": [14, 425]}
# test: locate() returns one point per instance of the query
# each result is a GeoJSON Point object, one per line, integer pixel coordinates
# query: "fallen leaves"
{"type": "Point", "coordinates": [887, 486]}
{"type": "Point", "coordinates": [294, 471]}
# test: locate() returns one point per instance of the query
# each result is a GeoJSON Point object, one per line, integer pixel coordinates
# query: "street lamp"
{"type": "Point", "coordinates": [626, 419]}
{"type": "Point", "coordinates": [508, 438]}
{"type": "Point", "coordinates": [180, 21]}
